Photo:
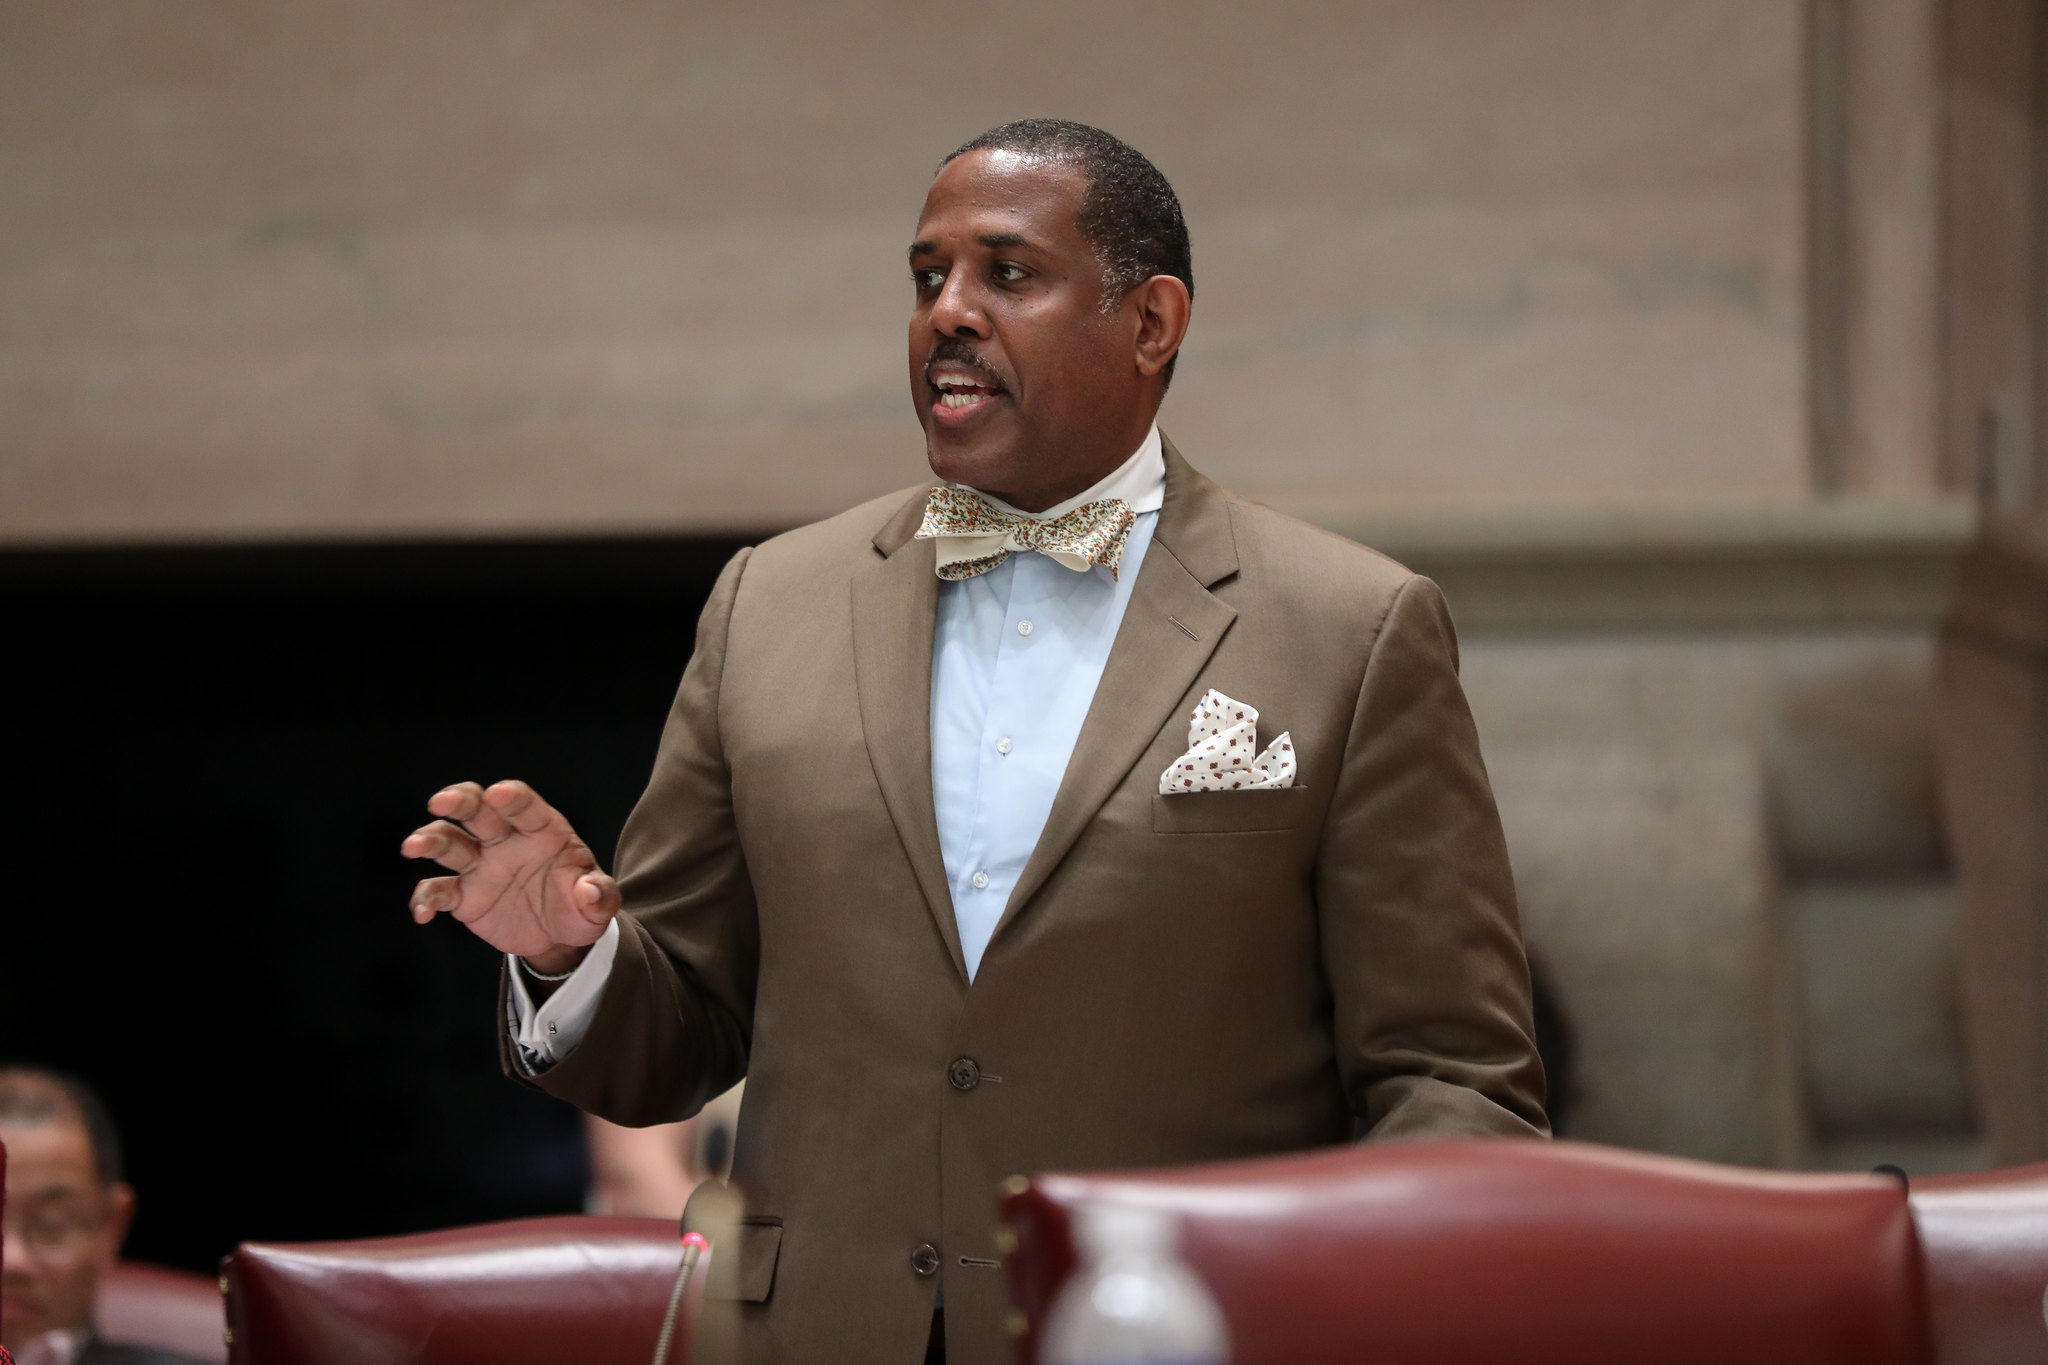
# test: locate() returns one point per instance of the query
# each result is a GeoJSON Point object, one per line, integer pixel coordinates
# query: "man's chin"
{"type": "Point", "coordinates": [18, 1330]}
{"type": "Point", "coordinates": [978, 463]}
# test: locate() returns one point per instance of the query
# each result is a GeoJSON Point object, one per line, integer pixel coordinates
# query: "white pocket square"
{"type": "Point", "coordinates": [1221, 744]}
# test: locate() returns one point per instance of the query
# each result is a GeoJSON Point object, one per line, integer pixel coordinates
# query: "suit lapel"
{"type": "Point", "coordinates": [1171, 626]}
{"type": "Point", "coordinates": [895, 609]}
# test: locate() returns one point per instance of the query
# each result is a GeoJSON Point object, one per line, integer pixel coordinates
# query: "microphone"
{"type": "Point", "coordinates": [694, 1246]}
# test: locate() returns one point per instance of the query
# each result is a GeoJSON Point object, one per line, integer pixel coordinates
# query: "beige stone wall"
{"type": "Point", "coordinates": [360, 267]}
{"type": "Point", "coordinates": [1715, 752]}
{"type": "Point", "coordinates": [1732, 874]}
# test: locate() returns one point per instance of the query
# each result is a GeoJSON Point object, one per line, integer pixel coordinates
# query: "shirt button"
{"type": "Point", "coordinates": [1023, 627]}
{"type": "Point", "coordinates": [964, 1073]}
{"type": "Point", "coordinates": [1003, 745]}
{"type": "Point", "coordinates": [925, 1260]}
{"type": "Point", "coordinates": [980, 880]}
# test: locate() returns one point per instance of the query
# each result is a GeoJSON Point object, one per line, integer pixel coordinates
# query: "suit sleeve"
{"type": "Point", "coordinates": [672, 1028]}
{"type": "Point", "coordinates": [1428, 977]}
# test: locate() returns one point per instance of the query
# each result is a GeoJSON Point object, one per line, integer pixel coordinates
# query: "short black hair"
{"type": "Point", "coordinates": [1129, 213]}
{"type": "Point", "coordinates": [34, 1095]}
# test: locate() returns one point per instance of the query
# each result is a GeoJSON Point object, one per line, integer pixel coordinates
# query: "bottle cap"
{"type": "Point", "coordinates": [1126, 1229]}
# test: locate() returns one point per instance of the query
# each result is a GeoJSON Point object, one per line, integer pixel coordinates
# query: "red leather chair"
{"type": "Point", "coordinates": [1457, 1253]}
{"type": "Point", "coordinates": [173, 1310]}
{"type": "Point", "coordinates": [1984, 1239]}
{"type": "Point", "coordinates": [555, 1289]}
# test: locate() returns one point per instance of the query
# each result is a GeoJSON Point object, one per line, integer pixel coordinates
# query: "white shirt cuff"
{"type": "Point", "coordinates": [549, 1031]}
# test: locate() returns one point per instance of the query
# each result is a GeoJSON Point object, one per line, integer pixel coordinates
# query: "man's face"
{"type": "Point", "coordinates": [63, 1229]}
{"type": "Point", "coordinates": [1025, 388]}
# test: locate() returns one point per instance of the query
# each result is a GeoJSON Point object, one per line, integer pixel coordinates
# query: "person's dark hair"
{"type": "Point", "coordinates": [33, 1095]}
{"type": "Point", "coordinates": [1129, 213]}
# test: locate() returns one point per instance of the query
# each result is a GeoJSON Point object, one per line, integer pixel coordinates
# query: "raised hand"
{"type": "Point", "coordinates": [524, 883]}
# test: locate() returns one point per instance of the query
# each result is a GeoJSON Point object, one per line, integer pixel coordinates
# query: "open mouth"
{"type": "Point", "coordinates": [957, 391]}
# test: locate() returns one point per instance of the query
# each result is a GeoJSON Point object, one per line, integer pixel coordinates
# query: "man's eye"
{"type": "Point", "coordinates": [1008, 272]}
{"type": "Point", "coordinates": [927, 279]}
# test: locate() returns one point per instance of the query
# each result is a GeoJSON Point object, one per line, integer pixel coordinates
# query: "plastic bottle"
{"type": "Point", "coordinates": [1133, 1301]}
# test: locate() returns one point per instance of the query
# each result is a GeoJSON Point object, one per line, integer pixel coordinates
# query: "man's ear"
{"type": "Point", "coordinates": [1162, 307]}
{"type": "Point", "coordinates": [120, 1200]}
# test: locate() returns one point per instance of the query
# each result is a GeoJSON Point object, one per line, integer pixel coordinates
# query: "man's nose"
{"type": "Point", "coordinates": [14, 1257]}
{"type": "Point", "coordinates": [956, 312]}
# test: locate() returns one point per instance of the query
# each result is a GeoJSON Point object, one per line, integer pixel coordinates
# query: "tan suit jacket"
{"type": "Point", "coordinates": [1175, 979]}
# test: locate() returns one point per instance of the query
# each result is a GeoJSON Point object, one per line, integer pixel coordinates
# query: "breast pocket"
{"type": "Point", "coordinates": [1245, 812]}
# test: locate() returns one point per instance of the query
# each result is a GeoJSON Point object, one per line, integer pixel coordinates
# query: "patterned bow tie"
{"type": "Point", "coordinates": [974, 535]}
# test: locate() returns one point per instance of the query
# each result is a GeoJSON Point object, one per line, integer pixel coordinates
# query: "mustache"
{"type": "Point", "coordinates": [959, 352]}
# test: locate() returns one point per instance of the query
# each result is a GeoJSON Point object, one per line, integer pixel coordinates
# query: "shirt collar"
{"type": "Point", "coordinates": [54, 1348]}
{"type": "Point", "coordinates": [1140, 481]}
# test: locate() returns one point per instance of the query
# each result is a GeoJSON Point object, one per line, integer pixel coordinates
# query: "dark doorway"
{"type": "Point", "coordinates": [209, 759]}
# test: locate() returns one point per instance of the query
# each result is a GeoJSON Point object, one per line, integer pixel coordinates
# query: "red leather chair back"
{"type": "Point", "coordinates": [172, 1310]}
{"type": "Point", "coordinates": [1458, 1253]}
{"type": "Point", "coordinates": [558, 1289]}
{"type": "Point", "coordinates": [1984, 1239]}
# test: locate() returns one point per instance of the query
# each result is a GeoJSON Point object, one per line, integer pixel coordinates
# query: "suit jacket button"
{"type": "Point", "coordinates": [925, 1260]}
{"type": "Point", "coordinates": [963, 1073]}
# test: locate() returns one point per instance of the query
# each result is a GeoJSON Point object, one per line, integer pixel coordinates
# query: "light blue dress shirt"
{"type": "Point", "coordinates": [1016, 656]}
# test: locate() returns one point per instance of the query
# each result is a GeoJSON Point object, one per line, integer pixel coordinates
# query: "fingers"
{"type": "Point", "coordinates": [435, 895]}
{"type": "Point", "coordinates": [449, 845]}
{"type": "Point", "coordinates": [596, 896]}
{"type": "Point", "coordinates": [521, 806]}
{"type": "Point", "coordinates": [465, 802]}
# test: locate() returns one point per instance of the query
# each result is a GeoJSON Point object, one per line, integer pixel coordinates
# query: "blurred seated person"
{"type": "Point", "coordinates": [649, 1172]}
{"type": "Point", "coordinates": [66, 1215]}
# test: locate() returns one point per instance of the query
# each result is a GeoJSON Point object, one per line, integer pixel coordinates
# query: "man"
{"type": "Point", "coordinates": [66, 1216]}
{"type": "Point", "coordinates": [964, 843]}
